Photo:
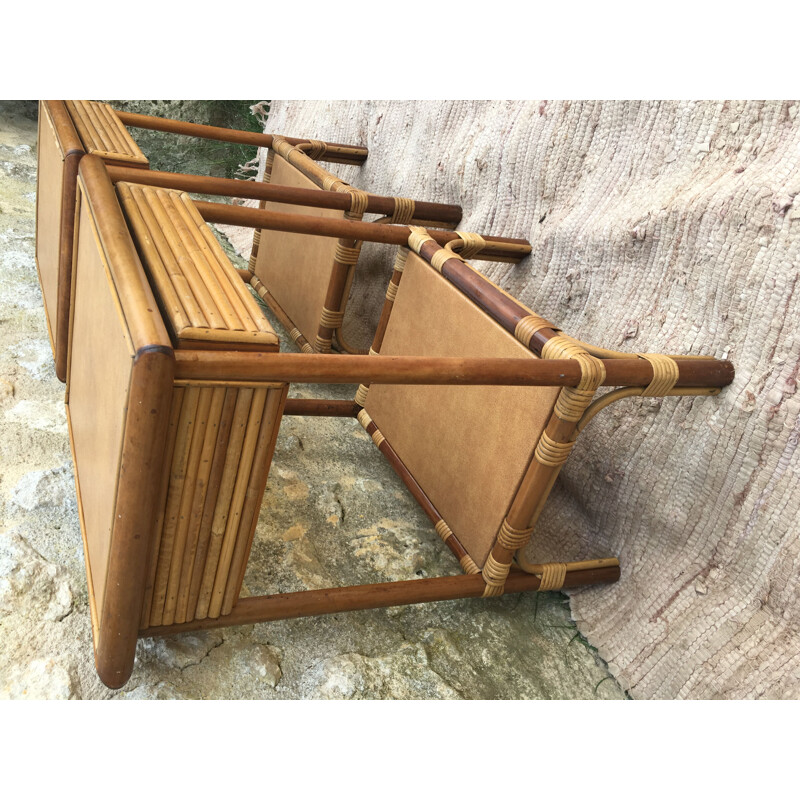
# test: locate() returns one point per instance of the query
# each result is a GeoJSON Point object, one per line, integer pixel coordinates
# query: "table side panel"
{"type": "Point", "coordinates": [468, 447]}
{"type": "Point", "coordinates": [296, 268]}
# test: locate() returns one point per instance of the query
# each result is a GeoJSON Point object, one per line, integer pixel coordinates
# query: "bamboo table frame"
{"type": "Point", "coordinates": [312, 308]}
{"type": "Point", "coordinates": [147, 370]}
{"type": "Point", "coordinates": [64, 138]}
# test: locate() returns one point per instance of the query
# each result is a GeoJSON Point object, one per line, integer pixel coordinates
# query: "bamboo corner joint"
{"type": "Point", "coordinates": [171, 476]}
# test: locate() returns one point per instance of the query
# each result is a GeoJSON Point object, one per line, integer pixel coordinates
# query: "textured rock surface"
{"type": "Point", "coordinates": [662, 227]}
{"type": "Point", "coordinates": [334, 513]}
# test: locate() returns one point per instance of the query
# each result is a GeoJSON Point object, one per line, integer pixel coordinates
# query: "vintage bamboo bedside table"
{"type": "Point", "coordinates": [172, 437]}
{"type": "Point", "coordinates": [70, 129]}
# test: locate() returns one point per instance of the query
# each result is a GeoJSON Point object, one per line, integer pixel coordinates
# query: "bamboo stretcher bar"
{"type": "Point", "coordinates": [303, 407]}
{"type": "Point", "coordinates": [498, 248]}
{"type": "Point", "coordinates": [251, 610]}
{"type": "Point", "coordinates": [338, 153]}
{"type": "Point", "coordinates": [424, 370]}
{"type": "Point", "coordinates": [256, 190]}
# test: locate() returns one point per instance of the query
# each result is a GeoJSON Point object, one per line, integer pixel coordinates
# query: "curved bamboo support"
{"type": "Point", "coordinates": [571, 566]}
{"type": "Point", "coordinates": [635, 391]}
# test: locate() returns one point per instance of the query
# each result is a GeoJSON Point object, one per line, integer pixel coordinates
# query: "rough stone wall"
{"type": "Point", "coordinates": [656, 226]}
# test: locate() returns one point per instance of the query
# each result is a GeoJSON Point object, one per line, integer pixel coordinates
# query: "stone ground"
{"type": "Point", "coordinates": [334, 514]}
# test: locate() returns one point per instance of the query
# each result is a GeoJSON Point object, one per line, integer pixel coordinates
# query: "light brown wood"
{"type": "Point", "coordinates": [161, 505]}
{"type": "Point", "coordinates": [100, 334]}
{"type": "Point", "coordinates": [177, 479]}
{"type": "Point", "coordinates": [467, 447]}
{"type": "Point", "coordinates": [176, 299]}
{"type": "Point", "coordinates": [200, 292]}
{"type": "Point", "coordinates": [190, 486]}
{"type": "Point", "coordinates": [265, 448]}
{"type": "Point", "coordinates": [234, 518]}
{"type": "Point", "coordinates": [212, 493]}
{"type": "Point", "coordinates": [217, 394]}
{"type": "Point", "coordinates": [103, 134]}
{"type": "Point", "coordinates": [223, 501]}
{"type": "Point", "coordinates": [141, 359]}
{"type": "Point", "coordinates": [49, 197]}
{"type": "Point", "coordinates": [296, 270]}
{"type": "Point", "coordinates": [251, 610]}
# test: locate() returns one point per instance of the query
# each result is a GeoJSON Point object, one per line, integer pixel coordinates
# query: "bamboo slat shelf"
{"type": "Point", "coordinates": [68, 130]}
{"type": "Point", "coordinates": [202, 297]}
{"type": "Point", "coordinates": [103, 134]}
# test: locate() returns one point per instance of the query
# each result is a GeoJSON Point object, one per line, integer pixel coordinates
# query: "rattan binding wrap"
{"type": "Point", "coordinates": [403, 211]}
{"type": "Point", "coordinates": [400, 259]}
{"type": "Point", "coordinates": [572, 402]}
{"type": "Point", "coordinates": [347, 255]}
{"type": "Point", "coordinates": [512, 538]}
{"type": "Point", "coordinates": [365, 419]}
{"type": "Point", "coordinates": [470, 244]}
{"type": "Point", "coordinates": [552, 577]}
{"type": "Point", "coordinates": [665, 374]}
{"type": "Point", "coordinates": [314, 149]}
{"type": "Point", "coordinates": [443, 529]}
{"type": "Point", "coordinates": [418, 237]}
{"type": "Point", "coordinates": [391, 292]}
{"type": "Point", "coordinates": [530, 325]}
{"type": "Point", "coordinates": [331, 319]}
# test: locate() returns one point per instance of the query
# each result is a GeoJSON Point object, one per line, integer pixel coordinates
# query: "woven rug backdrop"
{"type": "Point", "coordinates": [656, 226]}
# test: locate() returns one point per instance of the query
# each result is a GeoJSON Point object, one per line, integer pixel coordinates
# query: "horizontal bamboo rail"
{"type": "Point", "coordinates": [498, 248]}
{"type": "Point", "coordinates": [338, 153]}
{"type": "Point", "coordinates": [256, 190]}
{"type": "Point", "coordinates": [302, 407]}
{"type": "Point", "coordinates": [267, 608]}
{"type": "Point", "coordinates": [425, 370]}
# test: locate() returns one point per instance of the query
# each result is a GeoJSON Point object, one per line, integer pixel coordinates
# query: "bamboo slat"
{"type": "Point", "coordinates": [207, 266]}
{"type": "Point", "coordinates": [217, 395]}
{"type": "Point", "coordinates": [190, 484]}
{"type": "Point", "coordinates": [200, 292]}
{"type": "Point", "coordinates": [103, 134]}
{"type": "Point", "coordinates": [265, 447]}
{"type": "Point", "coordinates": [176, 481]}
{"type": "Point", "coordinates": [224, 498]}
{"type": "Point", "coordinates": [158, 201]}
{"type": "Point", "coordinates": [233, 526]}
{"type": "Point", "coordinates": [172, 434]}
{"type": "Point", "coordinates": [212, 493]}
{"type": "Point", "coordinates": [169, 280]}
{"type": "Point", "coordinates": [237, 292]}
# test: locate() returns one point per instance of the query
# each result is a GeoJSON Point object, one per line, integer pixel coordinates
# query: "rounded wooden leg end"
{"type": "Point", "coordinates": [114, 669]}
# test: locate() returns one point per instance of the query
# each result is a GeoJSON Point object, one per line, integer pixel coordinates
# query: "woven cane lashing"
{"type": "Point", "coordinates": [296, 268]}
{"type": "Point", "coordinates": [466, 446]}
